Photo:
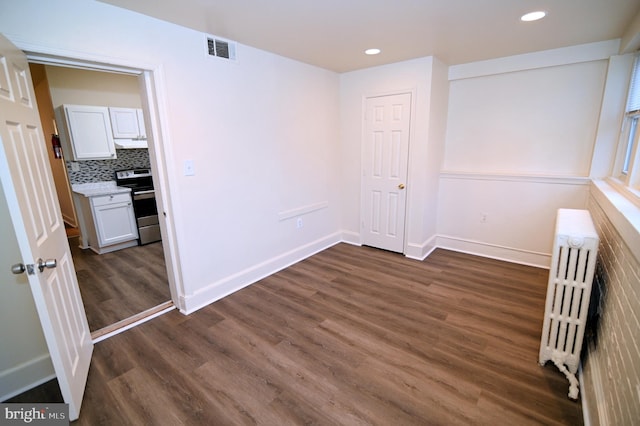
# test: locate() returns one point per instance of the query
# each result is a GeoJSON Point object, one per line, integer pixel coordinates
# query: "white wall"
{"type": "Point", "coordinates": [538, 121]}
{"type": "Point", "coordinates": [521, 133]}
{"type": "Point", "coordinates": [24, 358]}
{"type": "Point", "coordinates": [263, 133]}
{"type": "Point", "coordinates": [425, 78]}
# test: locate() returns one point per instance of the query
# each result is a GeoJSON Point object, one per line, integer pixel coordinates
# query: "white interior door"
{"type": "Point", "coordinates": [26, 178]}
{"type": "Point", "coordinates": [384, 171]}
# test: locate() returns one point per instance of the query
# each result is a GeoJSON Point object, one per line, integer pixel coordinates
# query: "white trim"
{"type": "Point", "coordinates": [160, 155]}
{"type": "Point", "coordinates": [421, 251]}
{"type": "Point", "coordinates": [546, 179]}
{"type": "Point", "coordinates": [72, 58]}
{"type": "Point", "coordinates": [630, 193]}
{"type": "Point", "coordinates": [351, 237]}
{"type": "Point", "coordinates": [462, 245]}
{"type": "Point", "coordinates": [25, 376]}
{"type": "Point", "coordinates": [153, 103]}
{"type": "Point", "coordinates": [495, 251]}
{"type": "Point", "coordinates": [217, 290]}
{"type": "Point", "coordinates": [586, 418]}
{"type": "Point", "coordinates": [547, 58]}
{"type": "Point", "coordinates": [600, 400]}
{"type": "Point", "coordinates": [299, 211]}
{"type": "Point", "coordinates": [623, 214]}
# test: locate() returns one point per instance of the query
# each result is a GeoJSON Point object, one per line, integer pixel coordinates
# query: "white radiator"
{"type": "Point", "coordinates": [570, 278]}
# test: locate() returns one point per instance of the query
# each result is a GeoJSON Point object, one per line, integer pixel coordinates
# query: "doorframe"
{"type": "Point", "coordinates": [151, 78]}
{"type": "Point", "coordinates": [363, 135]}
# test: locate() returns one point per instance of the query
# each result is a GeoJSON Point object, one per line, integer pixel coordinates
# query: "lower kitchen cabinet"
{"type": "Point", "coordinates": [107, 222]}
{"type": "Point", "coordinates": [114, 219]}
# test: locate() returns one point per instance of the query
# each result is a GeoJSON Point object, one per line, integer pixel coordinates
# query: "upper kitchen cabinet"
{"type": "Point", "coordinates": [85, 132]}
{"type": "Point", "coordinates": [128, 127]}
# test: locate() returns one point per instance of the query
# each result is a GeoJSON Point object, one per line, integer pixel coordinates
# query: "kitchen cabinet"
{"type": "Point", "coordinates": [106, 217]}
{"type": "Point", "coordinates": [114, 219]}
{"type": "Point", "coordinates": [85, 132]}
{"type": "Point", "coordinates": [127, 125]}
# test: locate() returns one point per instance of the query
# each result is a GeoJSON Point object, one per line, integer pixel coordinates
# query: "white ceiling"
{"type": "Point", "coordinates": [334, 33]}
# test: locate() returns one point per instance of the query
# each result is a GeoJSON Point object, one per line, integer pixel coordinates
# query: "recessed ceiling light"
{"type": "Point", "coordinates": [533, 16]}
{"type": "Point", "coordinates": [372, 51]}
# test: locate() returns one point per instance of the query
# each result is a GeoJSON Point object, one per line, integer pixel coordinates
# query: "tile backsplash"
{"type": "Point", "coordinates": [103, 170]}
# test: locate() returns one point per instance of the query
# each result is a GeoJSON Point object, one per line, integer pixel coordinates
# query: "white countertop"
{"type": "Point", "coordinates": [93, 189]}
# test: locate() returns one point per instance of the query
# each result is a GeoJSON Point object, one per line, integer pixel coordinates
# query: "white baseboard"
{"type": "Point", "coordinates": [586, 417]}
{"type": "Point", "coordinates": [25, 376]}
{"type": "Point", "coordinates": [421, 251]}
{"type": "Point", "coordinates": [493, 251]}
{"type": "Point", "coordinates": [229, 285]}
{"type": "Point", "coordinates": [218, 290]}
{"type": "Point", "coordinates": [594, 412]}
{"type": "Point", "coordinates": [69, 220]}
{"type": "Point", "coordinates": [479, 248]}
{"type": "Point", "coordinates": [350, 237]}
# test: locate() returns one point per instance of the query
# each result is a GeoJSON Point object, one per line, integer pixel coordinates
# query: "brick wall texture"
{"type": "Point", "coordinates": [612, 364]}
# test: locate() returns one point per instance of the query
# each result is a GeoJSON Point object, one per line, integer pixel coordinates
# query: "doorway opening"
{"type": "Point", "coordinates": [126, 286]}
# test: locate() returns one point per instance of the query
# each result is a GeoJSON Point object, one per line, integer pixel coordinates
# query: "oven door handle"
{"type": "Point", "coordinates": [144, 195]}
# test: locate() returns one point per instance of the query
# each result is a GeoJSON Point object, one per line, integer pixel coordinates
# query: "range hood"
{"type": "Point", "coordinates": [130, 143]}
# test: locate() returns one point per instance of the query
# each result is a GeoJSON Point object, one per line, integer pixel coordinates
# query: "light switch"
{"type": "Point", "coordinates": [189, 168]}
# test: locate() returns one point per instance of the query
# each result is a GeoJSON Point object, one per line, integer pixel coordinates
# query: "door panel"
{"type": "Point", "coordinates": [28, 185]}
{"type": "Point", "coordinates": [384, 173]}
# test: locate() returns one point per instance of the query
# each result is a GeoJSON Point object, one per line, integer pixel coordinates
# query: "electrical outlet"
{"type": "Point", "coordinates": [483, 218]}
{"type": "Point", "coordinates": [299, 223]}
{"type": "Point", "coordinates": [75, 166]}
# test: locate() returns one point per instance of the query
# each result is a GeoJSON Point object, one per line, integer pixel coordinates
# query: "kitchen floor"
{"type": "Point", "coordinates": [120, 284]}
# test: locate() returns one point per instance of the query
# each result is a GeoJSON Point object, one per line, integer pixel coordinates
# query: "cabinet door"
{"type": "Point", "coordinates": [89, 132]}
{"type": "Point", "coordinates": [124, 123]}
{"type": "Point", "coordinates": [114, 219]}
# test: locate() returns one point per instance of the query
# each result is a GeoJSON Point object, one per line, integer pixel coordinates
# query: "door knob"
{"type": "Point", "coordinates": [21, 268]}
{"type": "Point", "coordinates": [49, 264]}
{"type": "Point", "coordinates": [401, 186]}
{"type": "Point", "coordinates": [18, 268]}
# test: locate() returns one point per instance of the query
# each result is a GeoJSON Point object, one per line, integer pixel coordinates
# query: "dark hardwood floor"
{"type": "Point", "coordinates": [120, 284]}
{"type": "Point", "coordinates": [352, 335]}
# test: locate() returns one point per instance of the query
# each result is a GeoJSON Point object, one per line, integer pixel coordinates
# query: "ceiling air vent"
{"type": "Point", "coordinates": [221, 48]}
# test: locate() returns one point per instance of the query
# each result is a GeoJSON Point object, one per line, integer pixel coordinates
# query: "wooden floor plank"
{"type": "Point", "coordinates": [118, 285]}
{"type": "Point", "coordinates": [350, 336]}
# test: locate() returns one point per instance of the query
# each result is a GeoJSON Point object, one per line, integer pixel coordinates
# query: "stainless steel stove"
{"type": "Point", "coordinates": [144, 202]}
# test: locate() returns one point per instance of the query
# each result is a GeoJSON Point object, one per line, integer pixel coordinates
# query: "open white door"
{"type": "Point", "coordinates": [384, 171]}
{"type": "Point", "coordinates": [44, 255]}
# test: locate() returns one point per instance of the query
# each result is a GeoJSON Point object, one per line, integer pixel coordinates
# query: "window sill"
{"type": "Point", "coordinates": [631, 194]}
{"type": "Point", "coordinates": [623, 213]}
